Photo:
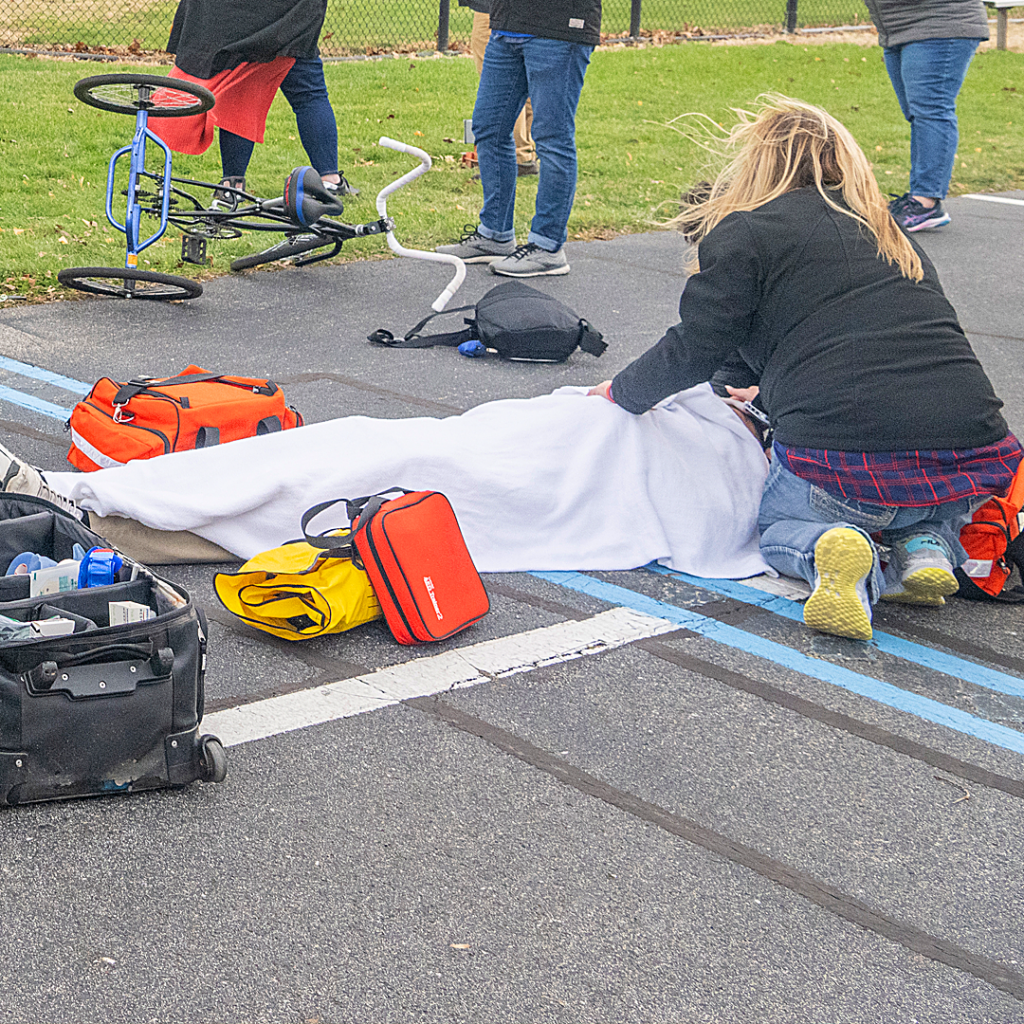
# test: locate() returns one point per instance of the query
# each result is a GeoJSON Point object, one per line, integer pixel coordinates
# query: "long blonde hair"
{"type": "Point", "coordinates": [786, 145]}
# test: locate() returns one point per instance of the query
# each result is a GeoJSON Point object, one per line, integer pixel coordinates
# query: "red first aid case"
{"type": "Point", "coordinates": [414, 553]}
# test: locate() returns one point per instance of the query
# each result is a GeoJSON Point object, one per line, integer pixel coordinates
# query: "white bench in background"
{"type": "Point", "coordinates": [1002, 10]}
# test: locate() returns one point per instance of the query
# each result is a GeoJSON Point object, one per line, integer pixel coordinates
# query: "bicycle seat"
{"type": "Point", "coordinates": [306, 199]}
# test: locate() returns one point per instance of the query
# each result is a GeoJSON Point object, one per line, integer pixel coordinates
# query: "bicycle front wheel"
{"type": "Point", "coordinates": [123, 283]}
{"type": "Point", "coordinates": [294, 245]}
{"type": "Point", "coordinates": [159, 95]}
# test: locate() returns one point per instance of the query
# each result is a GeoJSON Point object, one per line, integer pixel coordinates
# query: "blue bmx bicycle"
{"type": "Point", "coordinates": [305, 213]}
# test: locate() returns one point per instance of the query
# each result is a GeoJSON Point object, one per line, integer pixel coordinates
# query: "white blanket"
{"type": "Point", "coordinates": [557, 482]}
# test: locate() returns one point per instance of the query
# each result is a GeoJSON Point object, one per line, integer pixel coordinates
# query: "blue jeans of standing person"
{"type": "Point", "coordinates": [550, 72]}
{"type": "Point", "coordinates": [795, 513]}
{"type": "Point", "coordinates": [306, 92]}
{"type": "Point", "coordinates": [927, 76]}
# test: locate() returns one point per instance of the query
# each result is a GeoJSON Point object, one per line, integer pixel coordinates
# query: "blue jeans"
{"type": "Point", "coordinates": [927, 76]}
{"type": "Point", "coordinates": [550, 72]}
{"type": "Point", "coordinates": [795, 513]}
{"type": "Point", "coordinates": [306, 92]}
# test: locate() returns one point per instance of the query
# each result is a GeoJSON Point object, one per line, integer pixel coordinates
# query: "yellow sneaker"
{"type": "Point", "coordinates": [839, 603]}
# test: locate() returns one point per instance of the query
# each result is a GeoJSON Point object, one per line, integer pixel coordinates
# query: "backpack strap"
{"type": "Point", "coordinates": [413, 339]}
{"type": "Point", "coordinates": [591, 340]}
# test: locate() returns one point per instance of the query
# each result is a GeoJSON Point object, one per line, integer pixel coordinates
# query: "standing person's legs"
{"type": "Point", "coordinates": [500, 98]}
{"type": "Point", "coordinates": [927, 77]}
{"type": "Point", "coordinates": [306, 91]}
{"type": "Point", "coordinates": [235, 154]}
{"type": "Point", "coordinates": [555, 71]}
{"type": "Point", "coordinates": [526, 155]}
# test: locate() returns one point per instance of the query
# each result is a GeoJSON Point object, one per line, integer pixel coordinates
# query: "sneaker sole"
{"type": "Point", "coordinates": [929, 224]}
{"type": "Point", "coordinates": [909, 597]}
{"type": "Point", "coordinates": [553, 272]}
{"type": "Point", "coordinates": [842, 558]}
{"type": "Point", "coordinates": [483, 258]}
{"type": "Point", "coordinates": [929, 584]}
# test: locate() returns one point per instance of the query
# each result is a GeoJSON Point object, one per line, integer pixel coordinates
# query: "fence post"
{"type": "Point", "coordinates": [634, 19]}
{"type": "Point", "coordinates": [791, 16]}
{"type": "Point", "coordinates": [442, 25]}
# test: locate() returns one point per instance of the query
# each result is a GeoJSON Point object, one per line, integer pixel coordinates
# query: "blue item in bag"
{"type": "Point", "coordinates": [99, 568]}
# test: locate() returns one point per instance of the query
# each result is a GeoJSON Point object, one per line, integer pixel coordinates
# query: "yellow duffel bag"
{"type": "Point", "coordinates": [299, 591]}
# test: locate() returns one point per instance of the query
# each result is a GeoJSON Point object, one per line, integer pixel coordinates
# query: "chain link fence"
{"type": "Point", "coordinates": [361, 27]}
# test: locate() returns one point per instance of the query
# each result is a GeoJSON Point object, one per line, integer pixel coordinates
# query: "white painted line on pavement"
{"type": "Point", "coordinates": [994, 199]}
{"type": "Point", "coordinates": [465, 666]}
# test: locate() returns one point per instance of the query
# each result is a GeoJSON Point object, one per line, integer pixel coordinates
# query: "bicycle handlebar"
{"type": "Point", "coordinates": [420, 254]}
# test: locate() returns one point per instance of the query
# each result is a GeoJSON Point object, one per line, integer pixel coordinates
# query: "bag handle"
{"type": "Point", "coordinates": [413, 339]}
{"type": "Point", "coordinates": [135, 387]}
{"type": "Point", "coordinates": [359, 510]}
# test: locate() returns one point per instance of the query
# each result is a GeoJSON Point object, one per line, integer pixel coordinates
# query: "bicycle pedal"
{"type": "Point", "coordinates": [193, 250]}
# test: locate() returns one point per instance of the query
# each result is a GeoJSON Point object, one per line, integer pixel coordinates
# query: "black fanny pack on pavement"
{"type": "Point", "coordinates": [516, 321]}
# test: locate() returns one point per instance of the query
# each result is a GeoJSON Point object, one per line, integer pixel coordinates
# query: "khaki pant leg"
{"type": "Point", "coordinates": [157, 547]}
{"type": "Point", "coordinates": [478, 38]}
{"type": "Point", "coordinates": [525, 152]}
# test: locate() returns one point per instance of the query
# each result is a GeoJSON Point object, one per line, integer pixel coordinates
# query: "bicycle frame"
{"type": "Point", "coordinates": [310, 235]}
{"type": "Point", "coordinates": [137, 168]}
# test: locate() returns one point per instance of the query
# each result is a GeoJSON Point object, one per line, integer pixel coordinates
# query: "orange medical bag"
{"type": "Point", "coordinates": [138, 419]}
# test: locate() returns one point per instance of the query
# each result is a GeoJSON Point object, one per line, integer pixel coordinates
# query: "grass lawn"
{"type": "Point", "coordinates": [54, 150]}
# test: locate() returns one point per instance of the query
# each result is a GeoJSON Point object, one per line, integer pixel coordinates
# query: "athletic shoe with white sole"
{"type": "Point", "coordinates": [914, 216]}
{"type": "Point", "coordinates": [17, 477]}
{"type": "Point", "coordinates": [472, 247]}
{"type": "Point", "coordinates": [839, 603]}
{"type": "Point", "coordinates": [920, 573]}
{"type": "Point", "coordinates": [532, 261]}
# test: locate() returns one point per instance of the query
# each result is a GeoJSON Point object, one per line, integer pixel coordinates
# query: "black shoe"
{"type": "Point", "coordinates": [530, 167]}
{"type": "Point", "coordinates": [341, 188]}
{"type": "Point", "coordinates": [227, 201]}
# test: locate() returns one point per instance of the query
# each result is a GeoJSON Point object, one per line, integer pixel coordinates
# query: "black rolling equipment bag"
{"type": "Point", "coordinates": [105, 709]}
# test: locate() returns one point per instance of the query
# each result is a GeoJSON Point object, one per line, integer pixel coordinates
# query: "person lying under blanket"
{"type": "Point", "coordinates": [554, 482]}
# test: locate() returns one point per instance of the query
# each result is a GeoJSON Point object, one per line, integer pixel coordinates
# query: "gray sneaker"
{"type": "Point", "coordinates": [17, 477]}
{"type": "Point", "coordinates": [472, 247]}
{"type": "Point", "coordinates": [919, 573]}
{"type": "Point", "coordinates": [532, 261]}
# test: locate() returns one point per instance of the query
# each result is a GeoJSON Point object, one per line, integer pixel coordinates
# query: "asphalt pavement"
{"type": "Point", "coordinates": [665, 801]}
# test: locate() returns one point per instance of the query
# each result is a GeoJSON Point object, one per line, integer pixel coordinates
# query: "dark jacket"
{"type": "Point", "coordinates": [483, 6]}
{"type": "Point", "coordinates": [210, 36]}
{"type": "Point", "coordinates": [850, 354]}
{"type": "Point", "coordinates": [576, 21]}
{"type": "Point", "coordinates": [910, 21]}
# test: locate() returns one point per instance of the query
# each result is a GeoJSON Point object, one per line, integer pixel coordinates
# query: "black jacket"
{"type": "Point", "coordinates": [850, 355]}
{"type": "Point", "coordinates": [576, 21]}
{"type": "Point", "coordinates": [210, 36]}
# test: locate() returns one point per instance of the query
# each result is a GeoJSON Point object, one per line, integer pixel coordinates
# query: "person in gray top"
{"type": "Point", "coordinates": [928, 45]}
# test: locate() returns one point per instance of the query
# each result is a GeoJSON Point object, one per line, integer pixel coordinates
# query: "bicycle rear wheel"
{"type": "Point", "coordinates": [160, 95]}
{"type": "Point", "coordinates": [122, 283]}
{"type": "Point", "coordinates": [293, 245]}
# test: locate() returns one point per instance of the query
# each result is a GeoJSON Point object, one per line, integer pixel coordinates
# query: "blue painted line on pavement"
{"type": "Point", "coordinates": [57, 412]}
{"type": "Point", "coordinates": [76, 387]}
{"type": "Point", "coordinates": [918, 654]}
{"type": "Point", "coordinates": [836, 675]}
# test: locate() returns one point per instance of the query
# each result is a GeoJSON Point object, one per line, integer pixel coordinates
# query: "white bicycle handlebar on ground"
{"type": "Point", "coordinates": [420, 254]}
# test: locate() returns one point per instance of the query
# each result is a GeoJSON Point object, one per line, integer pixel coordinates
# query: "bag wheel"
{"type": "Point", "coordinates": [213, 762]}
